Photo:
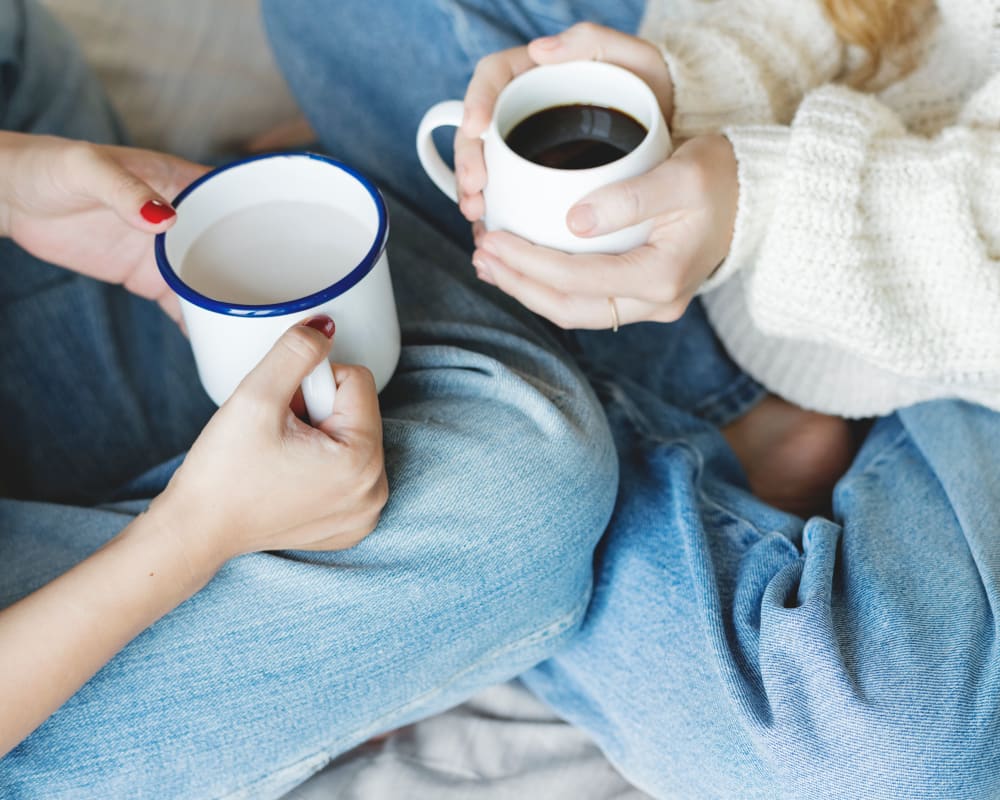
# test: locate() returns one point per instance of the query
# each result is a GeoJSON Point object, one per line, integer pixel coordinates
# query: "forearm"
{"type": "Point", "coordinates": [745, 62]}
{"type": "Point", "coordinates": [55, 639]}
{"type": "Point", "coordinates": [869, 240]}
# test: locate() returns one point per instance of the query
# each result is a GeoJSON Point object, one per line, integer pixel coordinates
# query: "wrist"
{"type": "Point", "coordinates": [193, 538]}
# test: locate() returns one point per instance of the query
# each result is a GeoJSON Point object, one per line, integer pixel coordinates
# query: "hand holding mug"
{"type": "Point", "coordinates": [271, 240]}
{"type": "Point", "coordinates": [258, 478]}
{"type": "Point", "coordinates": [690, 201]}
{"type": "Point", "coordinates": [556, 132]}
{"type": "Point", "coordinates": [92, 208]}
{"type": "Point", "coordinates": [582, 42]}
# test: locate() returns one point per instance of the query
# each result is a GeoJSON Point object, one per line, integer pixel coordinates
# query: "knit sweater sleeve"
{"type": "Point", "coordinates": [744, 61]}
{"type": "Point", "coordinates": [855, 235]}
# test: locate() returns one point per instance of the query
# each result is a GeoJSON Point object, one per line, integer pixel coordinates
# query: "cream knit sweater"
{"type": "Point", "coordinates": [864, 273]}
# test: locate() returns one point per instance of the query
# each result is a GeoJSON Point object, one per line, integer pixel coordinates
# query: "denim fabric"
{"type": "Point", "coordinates": [365, 73]}
{"type": "Point", "coordinates": [502, 476]}
{"type": "Point", "coordinates": [730, 650]}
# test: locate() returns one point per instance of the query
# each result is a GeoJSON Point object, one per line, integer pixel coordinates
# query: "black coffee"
{"type": "Point", "coordinates": [576, 136]}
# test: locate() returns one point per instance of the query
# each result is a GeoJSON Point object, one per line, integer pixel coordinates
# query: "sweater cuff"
{"type": "Point", "coordinates": [761, 153]}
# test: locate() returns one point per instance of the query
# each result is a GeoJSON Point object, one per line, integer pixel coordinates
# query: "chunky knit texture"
{"type": "Point", "coordinates": [864, 273]}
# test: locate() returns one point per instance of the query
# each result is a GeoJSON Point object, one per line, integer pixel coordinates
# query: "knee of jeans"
{"type": "Point", "coordinates": [554, 505]}
{"type": "Point", "coordinates": [559, 497]}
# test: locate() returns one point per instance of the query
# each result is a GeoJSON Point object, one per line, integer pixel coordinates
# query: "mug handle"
{"type": "Point", "coordinates": [319, 390]}
{"type": "Point", "coordinates": [445, 114]}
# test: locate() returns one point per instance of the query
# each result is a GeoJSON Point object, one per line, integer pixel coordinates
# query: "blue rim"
{"type": "Point", "coordinates": [291, 306]}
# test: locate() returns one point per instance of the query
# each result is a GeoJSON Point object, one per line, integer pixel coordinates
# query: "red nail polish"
{"type": "Point", "coordinates": [156, 211]}
{"type": "Point", "coordinates": [323, 324]}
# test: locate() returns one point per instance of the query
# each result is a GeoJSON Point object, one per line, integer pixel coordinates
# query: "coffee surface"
{"type": "Point", "coordinates": [576, 136]}
{"type": "Point", "coordinates": [275, 252]}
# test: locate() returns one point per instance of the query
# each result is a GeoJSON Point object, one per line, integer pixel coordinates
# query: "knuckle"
{"type": "Point", "coordinates": [372, 471]}
{"type": "Point", "coordinates": [671, 312]}
{"type": "Point", "coordinates": [649, 50]}
{"type": "Point", "coordinates": [380, 492]}
{"type": "Point", "coordinates": [696, 177]}
{"type": "Point", "coordinates": [667, 290]}
{"type": "Point", "coordinates": [588, 30]}
{"type": "Point", "coordinates": [81, 154]}
{"type": "Point", "coordinates": [363, 376]}
{"type": "Point", "coordinates": [562, 319]}
{"type": "Point", "coordinates": [302, 343]}
{"type": "Point", "coordinates": [488, 64]}
{"type": "Point", "coordinates": [630, 201]}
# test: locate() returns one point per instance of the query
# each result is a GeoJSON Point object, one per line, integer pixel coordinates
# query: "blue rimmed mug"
{"type": "Point", "coordinates": [229, 337]}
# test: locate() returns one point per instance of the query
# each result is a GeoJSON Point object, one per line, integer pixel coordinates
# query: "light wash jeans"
{"type": "Point", "coordinates": [502, 476]}
{"type": "Point", "coordinates": [730, 650]}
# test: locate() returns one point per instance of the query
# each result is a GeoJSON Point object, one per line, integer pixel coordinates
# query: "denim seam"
{"type": "Point", "coordinates": [880, 457]}
{"type": "Point", "coordinates": [548, 632]}
{"type": "Point", "coordinates": [733, 401]}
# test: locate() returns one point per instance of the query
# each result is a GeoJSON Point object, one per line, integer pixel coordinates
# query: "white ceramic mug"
{"type": "Point", "coordinates": [290, 272]}
{"type": "Point", "coordinates": [531, 200]}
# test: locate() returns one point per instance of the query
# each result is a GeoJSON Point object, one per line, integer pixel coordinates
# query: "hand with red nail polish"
{"type": "Point", "coordinates": [92, 208]}
{"type": "Point", "coordinates": [300, 487]}
{"type": "Point", "coordinates": [257, 478]}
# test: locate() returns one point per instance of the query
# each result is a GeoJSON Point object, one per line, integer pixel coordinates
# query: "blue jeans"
{"type": "Point", "coordinates": [502, 475]}
{"type": "Point", "coordinates": [729, 650]}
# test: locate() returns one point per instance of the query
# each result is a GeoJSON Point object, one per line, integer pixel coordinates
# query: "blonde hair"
{"type": "Point", "coordinates": [879, 27]}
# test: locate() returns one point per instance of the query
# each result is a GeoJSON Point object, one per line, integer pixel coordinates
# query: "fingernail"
{"type": "Point", "coordinates": [489, 246]}
{"type": "Point", "coordinates": [156, 211]}
{"type": "Point", "coordinates": [323, 324]}
{"type": "Point", "coordinates": [581, 219]}
{"type": "Point", "coordinates": [547, 42]}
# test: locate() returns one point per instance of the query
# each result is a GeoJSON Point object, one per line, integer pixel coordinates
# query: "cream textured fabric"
{"type": "Point", "coordinates": [864, 273]}
{"type": "Point", "coordinates": [189, 77]}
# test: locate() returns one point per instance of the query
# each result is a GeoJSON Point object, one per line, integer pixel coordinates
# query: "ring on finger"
{"type": "Point", "coordinates": [614, 315]}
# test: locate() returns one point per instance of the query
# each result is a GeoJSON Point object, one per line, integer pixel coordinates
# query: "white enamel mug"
{"type": "Point", "coordinates": [230, 338]}
{"type": "Point", "coordinates": [532, 200]}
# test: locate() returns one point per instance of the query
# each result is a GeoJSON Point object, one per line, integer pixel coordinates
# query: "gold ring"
{"type": "Point", "coordinates": [614, 314]}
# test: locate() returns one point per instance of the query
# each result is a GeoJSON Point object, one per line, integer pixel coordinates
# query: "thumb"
{"type": "Point", "coordinates": [628, 202]}
{"type": "Point", "coordinates": [102, 177]}
{"type": "Point", "coordinates": [276, 378]}
{"type": "Point", "coordinates": [587, 41]}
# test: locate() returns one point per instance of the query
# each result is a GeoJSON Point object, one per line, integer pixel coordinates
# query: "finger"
{"type": "Point", "coordinates": [94, 173]}
{"type": "Point", "coordinates": [170, 303]}
{"type": "Point", "coordinates": [472, 206]}
{"type": "Point", "coordinates": [470, 166]}
{"type": "Point", "coordinates": [478, 232]}
{"type": "Point", "coordinates": [299, 350]}
{"type": "Point", "coordinates": [568, 311]}
{"type": "Point", "coordinates": [470, 174]}
{"type": "Point", "coordinates": [634, 274]}
{"type": "Point", "coordinates": [356, 410]}
{"type": "Point", "coordinates": [591, 42]}
{"type": "Point", "coordinates": [630, 202]}
{"type": "Point", "coordinates": [165, 173]}
{"type": "Point", "coordinates": [491, 75]}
